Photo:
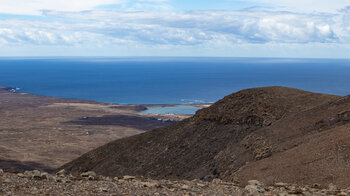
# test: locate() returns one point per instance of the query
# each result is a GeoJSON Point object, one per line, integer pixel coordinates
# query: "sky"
{"type": "Point", "coordinates": [227, 28]}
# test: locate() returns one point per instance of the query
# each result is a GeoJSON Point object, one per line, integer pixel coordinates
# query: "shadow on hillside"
{"type": "Point", "coordinates": [18, 166]}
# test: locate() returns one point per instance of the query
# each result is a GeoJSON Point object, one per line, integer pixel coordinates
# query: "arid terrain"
{"type": "Point", "coordinates": [38, 132]}
{"type": "Point", "coordinates": [271, 134]}
{"type": "Point", "coordinates": [88, 183]}
{"type": "Point", "coordinates": [262, 141]}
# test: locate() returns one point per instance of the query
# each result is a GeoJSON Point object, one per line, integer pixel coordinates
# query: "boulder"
{"type": "Point", "coordinates": [28, 174]}
{"type": "Point", "coordinates": [21, 175]}
{"type": "Point", "coordinates": [281, 184]}
{"type": "Point", "coordinates": [90, 175]}
{"type": "Point", "coordinates": [254, 182]}
{"type": "Point", "coordinates": [36, 175]}
{"type": "Point", "coordinates": [254, 190]}
{"type": "Point", "coordinates": [7, 180]}
{"type": "Point", "coordinates": [150, 184]}
{"type": "Point", "coordinates": [185, 187]}
{"type": "Point", "coordinates": [129, 177]}
{"type": "Point", "coordinates": [44, 175]}
{"type": "Point", "coordinates": [254, 187]}
{"type": "Point", "coordinates": [61, 173]}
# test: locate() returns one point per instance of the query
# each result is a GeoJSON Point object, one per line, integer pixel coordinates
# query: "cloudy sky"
{"type": "Point", "coordinates": [237, 28]}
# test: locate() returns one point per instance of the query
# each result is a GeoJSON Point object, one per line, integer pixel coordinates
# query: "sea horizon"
{"type": "Point", "coordinates": [168, 80]}
{"type": "Point", "coordinates": [173, 57]}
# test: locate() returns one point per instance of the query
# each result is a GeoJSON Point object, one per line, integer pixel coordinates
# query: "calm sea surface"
{"type": "Point", "coordinates": [169, 80]}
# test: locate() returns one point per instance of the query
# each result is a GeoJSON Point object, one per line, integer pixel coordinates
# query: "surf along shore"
{"type": "Point", "coordinates": [38, 132]}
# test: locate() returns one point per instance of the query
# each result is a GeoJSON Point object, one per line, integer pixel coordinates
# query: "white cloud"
{"type": "Point", "coordinates": [34, 7]}
{"type": "Point", "coordinates": [163, 30]}
{"type": "Point", "coordinates": [305, 5]}
{"type": "Point", "coordinates": [211, 26]}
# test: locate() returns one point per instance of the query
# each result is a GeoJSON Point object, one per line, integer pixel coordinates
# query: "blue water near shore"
{"type": "Point", "coordinates": [169, 80]}
{"type": "Point", "coordinates": [179, 109]}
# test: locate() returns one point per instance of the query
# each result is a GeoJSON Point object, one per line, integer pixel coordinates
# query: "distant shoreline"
{"type": "Point", "coordinates": [136, 107]}
{"type": "Point", "coordinates": [41, 124]}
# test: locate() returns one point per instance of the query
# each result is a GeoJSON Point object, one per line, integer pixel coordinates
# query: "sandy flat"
{"type": "Point", "coordinates": [45, 132]}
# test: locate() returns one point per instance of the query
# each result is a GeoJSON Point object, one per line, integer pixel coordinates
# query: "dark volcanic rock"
{"type": "Point", "coordinates": [269, 134]}
{"type": "Point", "coordinates": [137, 108]}
{"type": "Point", "coordinates": [136, 122]}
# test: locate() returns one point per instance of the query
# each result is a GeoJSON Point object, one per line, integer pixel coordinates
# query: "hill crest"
{"type": "Point", "coordinates": [234, 138]}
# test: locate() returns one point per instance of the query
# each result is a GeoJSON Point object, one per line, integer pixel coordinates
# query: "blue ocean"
{"type": "Point", "coordinates": [154, 80]}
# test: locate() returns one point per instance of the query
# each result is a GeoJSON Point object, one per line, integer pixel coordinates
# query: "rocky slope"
{"type": "Point", "coordinates": [270, 134]}
{"type": "Point", "coordinates": [88, 183]}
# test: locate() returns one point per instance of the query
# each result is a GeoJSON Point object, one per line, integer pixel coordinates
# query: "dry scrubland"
{"type": "Point", "coordinates": [263, 141]}
{"type": "Point", "coordinates": [43, 133]}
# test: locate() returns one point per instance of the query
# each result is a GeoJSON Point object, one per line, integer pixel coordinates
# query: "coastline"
{"type": "Point", "coordinates": [133, 107]}
{"type": "Point", "coordinates": [52, 131]}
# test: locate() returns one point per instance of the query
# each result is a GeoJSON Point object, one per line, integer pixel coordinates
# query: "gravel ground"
{"type": "Point", "coordinates": [41, 183]}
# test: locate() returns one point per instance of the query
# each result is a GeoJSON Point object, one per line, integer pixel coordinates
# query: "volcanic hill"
{"type": "Point", "coordinates": [272, 134]}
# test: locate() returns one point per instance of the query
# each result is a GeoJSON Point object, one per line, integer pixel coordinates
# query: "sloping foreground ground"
{"type": "Point", "coordinates": [38, 183]}
{"type": "Point", "coordinates": [270, 134]}
{"type": "Point", "coordinates": [38, 132]}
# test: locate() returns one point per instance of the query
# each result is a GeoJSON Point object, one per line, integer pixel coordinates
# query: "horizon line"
{"type": "Point", "coordinates": [177, 57]}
